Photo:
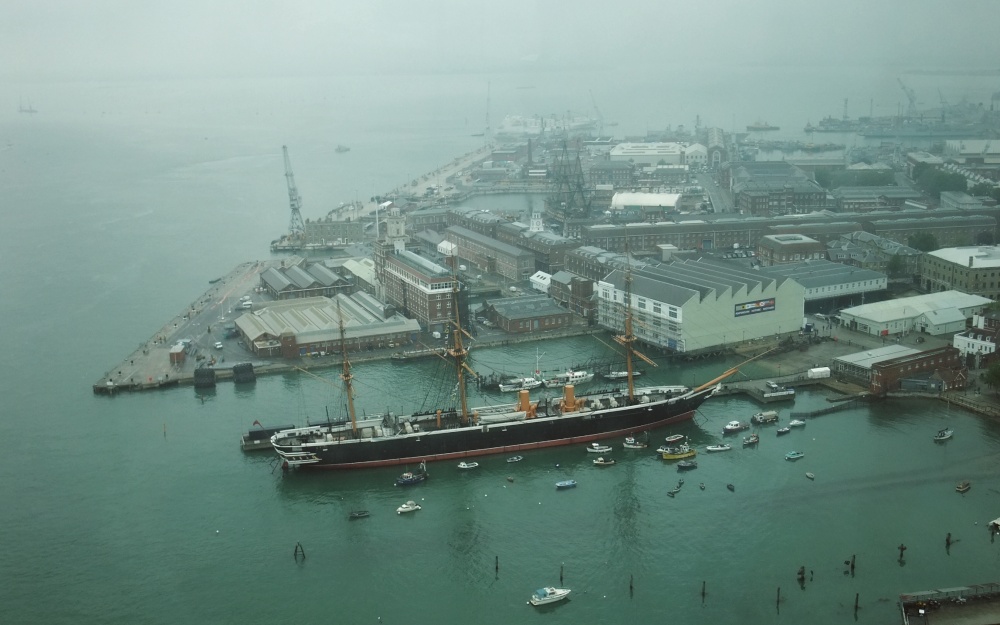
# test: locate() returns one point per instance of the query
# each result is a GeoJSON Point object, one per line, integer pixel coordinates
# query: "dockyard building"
{"type": "Point", "coordinates": [868, 251]}
{"type": "Point", "coordinates": [974, 270]}
{"type": "Point", "coordinates": [528, 313]}
{"type": "Point", "coordinates": [649, 153]}
{"type": "Point", "coordinates": [573, 293]}
{"type": "Point", "coordinates": [959, 200]}
{"type": "Point", "coordinates": [689, 306]}
{"type": "Point", "coordinates": [299, 278]}
{"type": "Point", "coordinates": [897, 367]}
{"type": "Point", "coordinates": [916, 158]}
{"type": "Point", "coordinates": [312, 326]}
{"type": "Point", "coordinates": [476, 219]}
{"type": "Point", "coordinates": [867, 199]}
{"type": "Point", "coordinates": [777, 249]}
{"type": "Point", "coordinates": [978, 344]}
{"type": "Point", "coordinates": [488, 255]}
{"type": "Point", "coordinates": [948, 231]}
{"type": "Point", "coordinates": [616, 173]}
{"type": "Point", "coordinates": [830, 285]}
{"type": "Point", "coordinates": [595, 263]}
{"type": "Point", "coordinates": [824, 232]}
{"type": "Point", "coordinates": [716, 147]}
{"type": "Point", "coordinates": [642, 206]}
{"type": "Point", "coordinates": [973, 151]}
{"type": "Point", "coordinates": [936, 313]}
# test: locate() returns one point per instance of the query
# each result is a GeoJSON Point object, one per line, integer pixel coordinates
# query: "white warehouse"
{"type": "Point", "coordinates": [935, 313]}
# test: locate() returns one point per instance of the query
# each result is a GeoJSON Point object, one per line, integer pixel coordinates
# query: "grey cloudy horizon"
{"type": "Point", "coordinates": [47, 40]}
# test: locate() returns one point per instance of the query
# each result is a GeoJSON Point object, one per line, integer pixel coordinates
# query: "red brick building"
{"type": "Point", "coordinates": [945, 364]}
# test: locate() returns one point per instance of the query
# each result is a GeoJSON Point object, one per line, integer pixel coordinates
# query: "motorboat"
{"type": "Point", "coordinates": [718, 447]}
{"type": "Point", "coordinates": [409, 506]}
{"type": "Point", "coordinates": [673, 439]}
{"type": "Point", "coordinates": [702, 486]}
{"type": "Point", "coordinates": [633, 443]}
{"type": "Point", "coordinates": [784, 430]}
{"type": "Point", "coordinates": [687, 465]}
{"type": "Point", "coordinates": [731, 488]}
{"type": "Point", "coordinates": [468, 465]}
{"type": "Point", "coordinates": [413, 477]}
{"type": "Point", "coordinates": [621, 375]}
{"type": "Point", "coordinates": [565, 484]}
{"type": "Point", "coordinates": [753, 439]}
{"type": "Point", "coordinates": [677, 453]}
{"type": "Point", "coordinates": [674, 491]}
{"type": "Point", "coordinates": [520, 384]}
{"type": "Point", "coordinates": [768, 416]}
{"type": "Point", "coordinates": [569, 377]}
{"type": "Point", "coordinates": [604, 462]}
{"type": "Point", "coordinates": [964, 486]}
{"type": "Point", "coordinates": [548, 595]}
{"type": "Point", "coordinates": [597, 448]}
{"type": "Point", "coordinates": [515, 459]}
{"type": "Point", "coordinates": [943, 435]}
{"type": "Point", "coordinates": [810, 475]}
{"type": "Point", "coordinates": [796, 423]}
{"type": "Point", "coordinates": [358, 514]}
{"type": "Point", "coordinates": [794, 455]}
{"type": "Point", "coordinates": [734, 426]}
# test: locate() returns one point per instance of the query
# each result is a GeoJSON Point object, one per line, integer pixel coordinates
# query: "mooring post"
{"type": "Point", "coordinates": [561, 572]}
{"type": "Point", "coordinates": [703, 590]}
{"type": "Point", "coordinates": [631, 587]}
{"type": "Point", "coordinates": [777, 599]}
{"type": "Point", "coordinates": [497, 565]}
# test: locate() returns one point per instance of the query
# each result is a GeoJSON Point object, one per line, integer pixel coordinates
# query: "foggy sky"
{"type": "Point", "coordinates": [43, 40]}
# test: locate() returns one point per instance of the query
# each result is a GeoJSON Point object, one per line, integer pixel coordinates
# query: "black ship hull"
{"type": "Point", "coordinates": [485, 438]}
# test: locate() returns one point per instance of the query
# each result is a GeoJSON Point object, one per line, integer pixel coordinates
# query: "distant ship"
{"type": "Point", "coordinates": [832, 124]}
{"type": "Point", "coordinates": [518, 127]}
{"type": "Point", "coordinates": [26, 109]}
{"type": "Point", "coordinates": [762, 126]}
{"type": "Point", "coordinates": [342, 148]}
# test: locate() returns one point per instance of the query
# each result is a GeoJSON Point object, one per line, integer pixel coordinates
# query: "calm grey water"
{"type": "Point", "coordinates": [120, 201]}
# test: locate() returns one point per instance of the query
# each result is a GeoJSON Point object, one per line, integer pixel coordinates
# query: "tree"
{"type": "Point", "coordinates": [986, 189]}
{"type": "Point", "coordinates": [895, 266]}
{"type": "Point", "coordinates": [992, 376]}
{"type": "Point", "coordinates": [923, 241]}
{"type": "Point", "coordinates": [985, 237]}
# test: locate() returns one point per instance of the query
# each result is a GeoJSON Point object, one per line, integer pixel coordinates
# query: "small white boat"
{"type": "Point", "coordinates": [409, 506]}
{"type": "Point", "coordinates": [734, 426]}
{"type": "Point", "coordinates": [620, 375]}
{"type": "Point", "coordinates": [570, 377]}
{"type": "Point", "coordinates": [515, 459]}
{"type": "Point", "coordinates": [810, 475]}
{"type": "Point", "coordinates": [944, 434]}
{"type": "Point", "coordinates": [468, 465]}
{"type": "Point", "coordinates": [548, 595]}
{"type": "Point", "coordinates": [796, 423]}
{"type": "Point", "coordinates": [597, 448]}
{"type": "Point", "coordinates": [520, 384]}
{"type": "Point", "coordinates": [633, 443]}
{"type": "Point", "coordinates": [566, 484]}
{"type": "Point", "coordinates": [604, 462]}
{"type": "Point", "coordinates": [794, 455]}
{"type": "Point", "coordinates": [675, 438]}
{"type": "Point", "coordinates": [718, 447]}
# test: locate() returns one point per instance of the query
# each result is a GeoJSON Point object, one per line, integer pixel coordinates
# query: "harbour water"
{"type": "Point", "coordinates": [122, 200]}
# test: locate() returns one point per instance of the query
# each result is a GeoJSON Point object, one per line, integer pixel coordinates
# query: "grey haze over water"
{"type": "Point", "coordinates": [154, 164]}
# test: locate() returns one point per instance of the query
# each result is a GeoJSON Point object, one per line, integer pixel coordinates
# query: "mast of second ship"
{"type": "Point", "coordinates": [346, 375]}
{"type": "Point", "coordinates": [627, 339]}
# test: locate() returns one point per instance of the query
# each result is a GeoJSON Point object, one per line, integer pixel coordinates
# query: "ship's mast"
{"type": "Point", "coordinates": [458, 352]}
{"type": "Point", "coordinates": [346, 375]}
{"type": "Point", "coordinates": [627, 339]}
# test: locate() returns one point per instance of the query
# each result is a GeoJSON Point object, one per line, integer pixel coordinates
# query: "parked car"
{"type": "Point", "coordinates": [218, 345]}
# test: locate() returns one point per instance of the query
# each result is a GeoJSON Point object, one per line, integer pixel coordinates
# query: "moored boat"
{"type": "Point", "coordinates": [569, 377]}
{"type": "Point", "coordinates": [410, 478]}
{"type": "Point", "coordinates": [943, 435]}
{"type": "Point", "coordinates": [734, 426]}
{"type": "Point", "coordinates": [409, 506]}
{"type": "Point", "coordinates": [520, 384]}
{"type": "Point", "coordinates": [548, 595]}
{"type": "Point", "coordinates": [794, 455]}
{"type": "Point", "coordinates": [454, 433]}
{"type": "Point", "coordinates": [810, 475]}
{"type": "Point", "coordinates": [467, 465]}
{"type": "Point", "coordinates": [964, 486]}
{"type": "Point", "coordinates": [784, 430]}
{"type": "Point", "coordinates": [687, 465]}
{"type": "Point", "coordinates": [620, 375]}
{"type": "Point", "coordinates": [632, 442]}
{"type": "Point", "coordinates": [722, 447]}
{"type": "Point", "coordinates": [597, 448]}
{"type": "Point", "coordinates": [677, 453]}
{"type": "Point", "coordinates": [515, 459]}
{"type": "Point", "coordinates": [358, 514]}
{"type": "Point", "coordinates": [675, 438]}
{"type": "Point", "coordinates": [565, 484]}
{"type": "Point", "coordinates": [796, 423]}
{"type": "Point", "coordinates": [768, 416]}
{"type": "Point", "coordinates": [753, 439]}
{"type": "Point", "coordinates": [604, 462]}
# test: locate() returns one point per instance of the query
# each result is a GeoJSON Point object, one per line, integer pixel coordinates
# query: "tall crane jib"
{"type": "Point", "coordinates": [295, 225]}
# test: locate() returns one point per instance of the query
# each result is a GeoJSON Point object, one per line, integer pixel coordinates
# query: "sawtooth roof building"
{"type": "Point", "coordinates": [297, 328]}
{"type": "Point", "coordinates": [688, 306]}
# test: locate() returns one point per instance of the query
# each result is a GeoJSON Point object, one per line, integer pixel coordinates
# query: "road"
{"type": "Point", "coordinates": [722, 201]}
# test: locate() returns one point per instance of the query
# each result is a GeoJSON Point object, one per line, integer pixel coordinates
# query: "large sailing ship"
{"type": "Point", "coordinates": [463, 432]}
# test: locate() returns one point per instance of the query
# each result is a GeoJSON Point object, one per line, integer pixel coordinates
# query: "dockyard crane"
{"type": "Point", "coordinates": [600, 118]}
{"type": "Point", "coordinates": [295, 225]}
{"type": "Point", "coordinates": [911, 110]}
{"type": "Point", "coordinates": [944, 104]}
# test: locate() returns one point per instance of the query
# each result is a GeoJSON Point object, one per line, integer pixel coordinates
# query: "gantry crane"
{"type": "Point", "coordinates": [911, 110]}
{"type": "Point", "coordinates": [295, 226]}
